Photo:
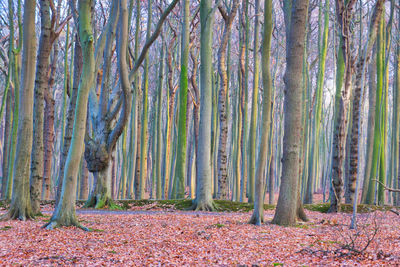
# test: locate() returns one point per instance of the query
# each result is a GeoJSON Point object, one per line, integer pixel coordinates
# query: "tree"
{"type": "Point", "coordinates": [48, 36]}
{"type": "Point", "coordinates": [289, 207]}
{"type": "Point", "coordinates": [183, 94]}
{"type": "Point", "coordinates": [254, 107]}
{"type": "Point", "coordinates": [64, 213]}
{"type": "Point", "coordinates": [204, 199]}
{"type": "Point", "coordinates": [98, 148]}
{"type": "Point", "coordinates": [357, 99]}
{"type": "Point", "coordinates": [20, 207]}
{"type": "Point", "coordinates": [258, 214]}
{"type": "Point", "coordinates": [223, 116]}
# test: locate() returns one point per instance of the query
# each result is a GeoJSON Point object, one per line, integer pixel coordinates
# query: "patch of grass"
{"type": "Point", "coordinates": [347, 208]}
{"type": "Point", "coordinates": [302, 226]}
{"type": "Point", "coordinates": [96, 230]}
{"type": "Point", "coordinates": [219, 225]}
{"type": "Point", "coordinates": [5, 228]}
{"type": "Point", "coordinates": [112, 251]}
{"type": "Point", "coordinates": [277, 264]}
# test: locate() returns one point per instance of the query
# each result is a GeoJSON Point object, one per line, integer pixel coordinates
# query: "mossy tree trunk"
{"type": "Point", "coordinates": [20, 207]}
{"type": "Point", "coordinates": [64, 213]}
{"type": "Point", "coordinates": [357, 100]}
{"type": "Point", "coordinates": [183, 94]}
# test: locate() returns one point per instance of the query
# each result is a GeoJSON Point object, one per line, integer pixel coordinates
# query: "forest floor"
{"type": "Point", "coordinates": [149, 235]}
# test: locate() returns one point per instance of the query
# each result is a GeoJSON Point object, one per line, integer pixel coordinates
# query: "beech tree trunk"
{"type": "Point", "coordinates": [20, 207]}
{"type": "Point", "coordinates": [204, 199]}
{"type": "Point", "coordinates": [289, 207]}
{"type": "Point", "coordinates": [64, 213]}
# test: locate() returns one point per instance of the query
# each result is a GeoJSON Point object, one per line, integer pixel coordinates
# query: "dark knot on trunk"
{"type": "Point", "coordinates": [96, 156]}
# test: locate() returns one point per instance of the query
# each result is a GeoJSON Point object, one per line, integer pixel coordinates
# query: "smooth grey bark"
{"type": "Point", "coordinates": [258, 215]}
{"type": "Point", "coordinates": [204, 199]}
{"type": "Point", "coordinates": [289, 206]}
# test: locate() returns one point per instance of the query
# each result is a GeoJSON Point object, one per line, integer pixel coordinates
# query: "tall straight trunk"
{"type": "Point", "coordinates": [314, 171]}
{"type": "Point", "coordinates": [344, 12]}
{"type": "Point", "coordinates": [135, 131]}
{"type": "Point", "coordinates": [396, 110]}
{"type": "Point", "coordinates": [123, 180]}
{"type": "Point", "coordinates": [8, 100]}
{"type": "Point", "coordinates": [204, 199]}
{"type": "Point", "coordinates": [258, 214]}
{"type": "Point", "coordinates": [254, 107]}
{"type": "Point", "coordinates": [20, 207]}
{"type": "Point", "coordinates": [170, 116]}
{"type": "Point", "coordinates": [16, 79]}
{"type": "Point", "coordinates": [144, 124]}
{"type": "Point", "coordinates": [64, 213]}
{"type": "Point", "coordinates": [183, 94]}
{"type": "Point", "coordinates": [6, 142]}
{"type": "Point", "coordinates": [383, 112]}
{"type": "Point", "coordinates": [159, 123]}
{"type": "Point", "coordinates": [357, 98]}
{"type": "Point", "coordinates": [244, 68]}
{"type": "Point", "coordinates": [222, 160]}
{"type": "Point", "coordinates": [371, 125]}
{"type": "Point", "coordinates": [41, 84]}
{"type": "Point", "coordinates": [289, 206]}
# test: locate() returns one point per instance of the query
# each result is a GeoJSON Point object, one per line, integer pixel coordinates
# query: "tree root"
{"type": "Point", "coordinates": [256, 219]}
{"type": "Point", "coordinates": [53, 224]}
{"type": "Point", "coordinates": [16, 214]}
{"type": "Point", "coordinates": [204, 206]}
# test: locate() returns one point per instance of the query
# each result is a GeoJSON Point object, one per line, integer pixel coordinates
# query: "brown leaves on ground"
{"type": "Point", "coordinates": [176, 238]}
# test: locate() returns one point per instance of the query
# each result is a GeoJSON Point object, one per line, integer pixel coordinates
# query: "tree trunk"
{"type": "Point", "coordinates": [222, 161]}
{"type": "Point", "coordinates": [64, 214]}
{"type": "Point", "coordinates": [143, 136]}
{"type": "Point", "coordinates": [41, 84]}
{"type": "Point", "coordinates": [254, 108]}
{"type": "Point", "coordinates": [289, 208]}
{"type": "Point", "coordinates": [204, 199]}
{"type": "Point", "coordinates": [258, 215]}
{"type": "Point", "coordinates": [78, 67]}
{"type": "Point", "coordinates": [357, 105]}
{"type": "Point", "coordinates": [183, 93]}
{"type": "Point", "coordinates": [20, 207]}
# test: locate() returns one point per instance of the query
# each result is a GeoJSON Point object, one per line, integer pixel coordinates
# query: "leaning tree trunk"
{"type": "Point", "coordinates": [204, 199]}
{"type": "Point", "coordinates": [287, 209]}
{"type": "Point", "coordinates": [78, 67]}
{"type": "Point", "coordinates": [20, 207]}
{"type": "Point", "coordinates": [258, 215]}
{"type": "Point", "coordinates": [64, 214]}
